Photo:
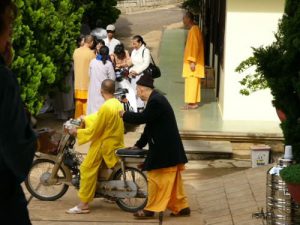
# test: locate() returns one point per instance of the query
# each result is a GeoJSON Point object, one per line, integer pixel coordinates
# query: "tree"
{"type": "Point", "coordinates": [98, 12]}
{"type": "Point", "coordinates": [43, 40]}
{"type": "Point", "coordinates": [277, 67]}
{"type": "Point", "coordinates": [102, 12]}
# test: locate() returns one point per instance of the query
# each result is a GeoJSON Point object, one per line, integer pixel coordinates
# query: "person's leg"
{"type": "Point", "coordinates": [15, 208]}
{"type": "Point", "coordinates": [178, 200]}
{"type": "Point", "coordinates": [160, 186]}
{"type": "Point", "coordinates": [88, 180]}
{"type": "Point", "coordinates": [192, 92]}
{"type": "Point", "coordinates": [78, 108]}
{"type": "Point", "coordinates": [84, 106]}
{"type": "Point", "coordinates": [139, 102]}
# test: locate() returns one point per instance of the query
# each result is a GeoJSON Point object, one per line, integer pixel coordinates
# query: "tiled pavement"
{"type": "Point", "coordinates": [231, 199]}
{"type": "Point", "coordinates": [220, 200]}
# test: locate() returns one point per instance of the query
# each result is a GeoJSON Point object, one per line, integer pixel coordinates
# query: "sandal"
{"type": "Point", "coordinates": [143, 214]}
{"type": "Point", "coordinates": [185, 107]}
{"type": "Point", "coordinates": [188, 107]}
{"type": "Point", "coordinates": [184, 212]}
{"type": "Point", "coordinates": [77, 210]}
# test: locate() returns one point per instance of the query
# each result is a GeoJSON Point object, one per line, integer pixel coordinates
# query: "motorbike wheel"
{"type": "Point", "coordinates": [39, 172]}
{"type": "Point", "coordinates": [133, 204]}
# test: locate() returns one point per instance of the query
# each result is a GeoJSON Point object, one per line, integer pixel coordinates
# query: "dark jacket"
{"type": "Point", "coordinates": [161, 133]}
{"type": "Point", "coordinates": [17, 140]}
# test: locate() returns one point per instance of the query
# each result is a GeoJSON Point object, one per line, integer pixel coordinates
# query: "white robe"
{"type": "Point", "coordinates": [98, 73]}
{"type": "Point", "coordinates": [141, 60]}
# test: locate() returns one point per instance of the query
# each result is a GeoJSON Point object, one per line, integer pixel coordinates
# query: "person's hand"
{"type": "Point", "coordinates": [121, 113]}
{"type": "Point", "coordinates": [82, 117]}
{"type": "Point", "coordinates": [73, 132]}
{"type": "Point", "coordinates": [192, 66]}
{"type": "Point", "coordinates": [133, 73]}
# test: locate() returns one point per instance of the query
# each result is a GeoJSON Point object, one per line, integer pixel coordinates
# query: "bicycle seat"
{"type": "Point", "coordinates": [125, 152]}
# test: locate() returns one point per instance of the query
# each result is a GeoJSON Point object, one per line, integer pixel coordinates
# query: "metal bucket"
{"type": "Point", "coordinates": [281, 209]}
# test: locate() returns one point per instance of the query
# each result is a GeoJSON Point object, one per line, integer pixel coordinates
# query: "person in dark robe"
{"type": "Point", "coordinates": [166, 156]}
{"type": "Point", "coordinates": [17, 139]}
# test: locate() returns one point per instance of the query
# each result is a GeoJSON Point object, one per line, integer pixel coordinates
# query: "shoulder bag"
{"type": "Point", "coordinates": [152, 69]}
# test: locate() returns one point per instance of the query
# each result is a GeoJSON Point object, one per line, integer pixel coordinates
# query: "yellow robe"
{"type": "Point", "coordinates": [105, 130]}
{"type": "Point", "coordinates": [82, 57]}
{"type": "Point", "coordinates": [165, 190]}
{"type": "Point", "coordinates": [194, 52]}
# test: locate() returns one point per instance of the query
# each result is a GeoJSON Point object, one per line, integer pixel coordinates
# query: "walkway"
{"type": "Point", "coordinates": [208, 117]}
{"type": "Point", "coordinates": [215, 199]}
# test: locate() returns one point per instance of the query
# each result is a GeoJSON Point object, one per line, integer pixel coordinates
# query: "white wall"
{"type": "Point", "coordinates": [248, 24]}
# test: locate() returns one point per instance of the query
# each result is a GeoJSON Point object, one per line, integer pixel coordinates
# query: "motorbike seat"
{"type": "Point", "coordinates": [135, 153]}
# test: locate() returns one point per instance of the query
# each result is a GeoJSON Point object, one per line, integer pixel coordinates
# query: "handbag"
{"type": "Point", "coordinates": [153, 70]}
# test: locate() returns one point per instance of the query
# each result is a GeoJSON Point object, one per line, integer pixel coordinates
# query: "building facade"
{"type": "Point", "coordinates": [231, 28]}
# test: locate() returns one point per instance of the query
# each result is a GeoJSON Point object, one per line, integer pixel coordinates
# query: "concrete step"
{"type": "Point", "coordinates": [200, 149]}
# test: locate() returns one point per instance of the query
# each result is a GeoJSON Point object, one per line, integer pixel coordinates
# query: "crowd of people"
{"type": "Point", "coordinates": [96, 60]}
{"type": "Point", "coordinates": [95, 65]}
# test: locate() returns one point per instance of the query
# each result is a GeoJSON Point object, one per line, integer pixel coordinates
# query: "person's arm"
{"type": "Point", "coordinates": [142, 142]}
{"type": "Point", "coordinates": [146, 61]}
{"type": "Point", "coordinates": [152, 111]}
{"type": "Point", "coordinates": [17, 139]}
{"type": "Point", "coordinates": [94, 126]}
{"type": "Point", "coordinates": [193, 45]}
{"type": "Point", "coordinates": [128, 59]}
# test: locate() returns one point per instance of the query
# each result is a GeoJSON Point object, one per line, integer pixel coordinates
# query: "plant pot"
{"type": "Point", "coordinates": [281, 115]}
{"type": "Point", "coordinates": [294, 190]}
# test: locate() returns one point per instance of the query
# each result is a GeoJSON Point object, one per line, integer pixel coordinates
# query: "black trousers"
{"type": "Point", "coordinates": [13, 204]}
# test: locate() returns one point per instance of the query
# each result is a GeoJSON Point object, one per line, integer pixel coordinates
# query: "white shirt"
{"type": "Point", "coordinates": [140, 60]}
{"type": "Point", "coordinates": [111, 44]}
{"type": "Point", "coordinates": [98, 73]}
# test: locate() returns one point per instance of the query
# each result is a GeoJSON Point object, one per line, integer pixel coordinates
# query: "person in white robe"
{"type": "Point", "coordinates": [100, 69]}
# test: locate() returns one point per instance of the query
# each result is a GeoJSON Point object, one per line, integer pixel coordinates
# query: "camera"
{"type": "Point", "coordinates": [121, 73]}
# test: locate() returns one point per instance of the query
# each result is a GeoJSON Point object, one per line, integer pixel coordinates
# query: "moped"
{"type": "Point", "coordinates": [55, 169]}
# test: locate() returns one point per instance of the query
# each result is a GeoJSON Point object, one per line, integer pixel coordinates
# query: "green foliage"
{"type": "Point", "coordinates": [291, 174]}
{"type": "Point", "coordinates": [277, 67]}
{"type": "Point", "coordinates": [44, 40]}
{"type": "Point", "coordinates": [103, 12]}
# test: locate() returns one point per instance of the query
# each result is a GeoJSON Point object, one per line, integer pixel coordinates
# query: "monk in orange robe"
{"type": "Point", "coordinates": [193, 63]}
{"type": "Point", "coordinates": [82, 57]}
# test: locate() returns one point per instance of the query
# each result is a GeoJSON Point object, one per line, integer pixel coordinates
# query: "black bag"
{"type": "Point", "coordinates": [152, 69]}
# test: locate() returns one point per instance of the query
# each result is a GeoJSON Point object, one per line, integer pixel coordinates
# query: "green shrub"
{"type": "Point", "coordinates": [291, 174]}
{"type": "Point", "coordinates": [44, 40]}
{"type": "Point", "coordinates": [277, 67]}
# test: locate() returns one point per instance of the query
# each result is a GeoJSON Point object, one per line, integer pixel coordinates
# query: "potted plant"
{"type": "Point", "coordinates": [291, 175]}
{"type": "Point", "coordinates": [277, 67]}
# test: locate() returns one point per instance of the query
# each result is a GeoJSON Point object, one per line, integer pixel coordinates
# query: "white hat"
{"type": "Point", "coordinates": [110, 27]}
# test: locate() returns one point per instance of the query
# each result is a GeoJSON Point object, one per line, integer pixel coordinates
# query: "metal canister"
{"type": "Point", "coordinates": [281, 209]}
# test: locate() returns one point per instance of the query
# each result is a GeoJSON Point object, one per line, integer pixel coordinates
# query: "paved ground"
{"type": "Point", "coordinates": [215, 199]}
{"type": "Point", "coordinates": [220, 192]}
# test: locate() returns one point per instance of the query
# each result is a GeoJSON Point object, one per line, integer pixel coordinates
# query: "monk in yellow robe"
{"type": "Point", "coordinates": [105, 130]}
{"type": "Point", "coordinates": [193, 63]}
{"type": "Point", "coordinates": [82, 57]}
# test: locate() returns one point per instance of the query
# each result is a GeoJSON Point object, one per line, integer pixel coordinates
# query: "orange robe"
{"type": "Point", "coordinates": [194, 52]}
{"type": "Point", "coordinates": [165, 190]}
{"type": "Point", "coordinates": [82, 57]}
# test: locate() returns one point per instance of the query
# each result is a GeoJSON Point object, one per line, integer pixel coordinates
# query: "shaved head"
{"type": "Point", "coordinates": [108, 86]}
{"type": "Point", "coordinates": [88, 39]}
